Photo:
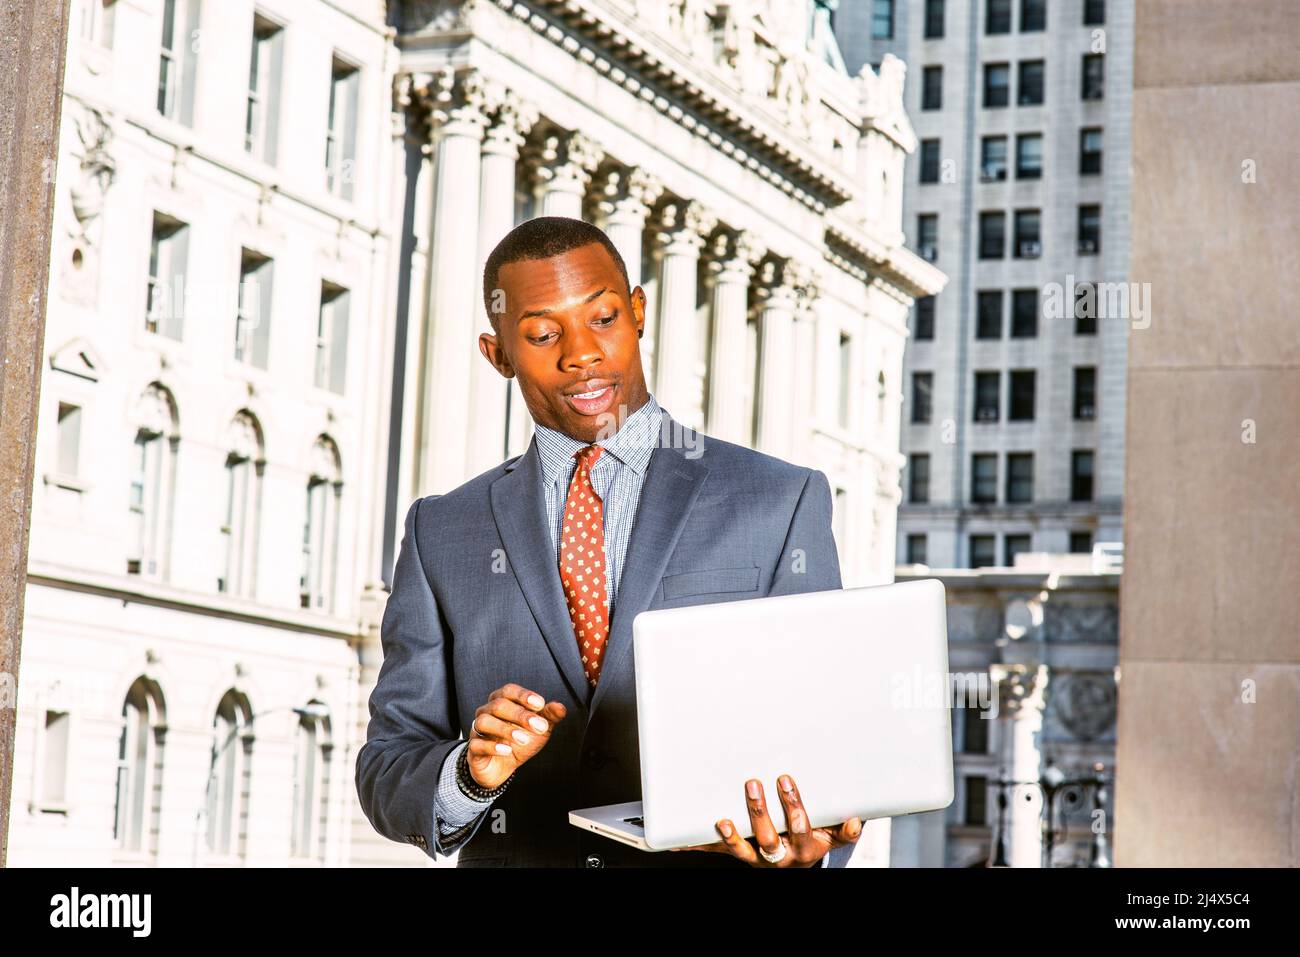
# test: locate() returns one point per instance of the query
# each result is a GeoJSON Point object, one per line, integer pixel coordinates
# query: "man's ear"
{"type": "Point", "coordinates": [494, 353]}
{"type": "Point", "coordinates": [638, 310]}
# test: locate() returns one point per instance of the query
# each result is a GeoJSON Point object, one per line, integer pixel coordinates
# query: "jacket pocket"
{"type": "Point", "coordinates": [710, 581]}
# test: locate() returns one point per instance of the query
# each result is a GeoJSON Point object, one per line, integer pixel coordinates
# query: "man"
{"type": "Point", "coordinates": [510, 618]}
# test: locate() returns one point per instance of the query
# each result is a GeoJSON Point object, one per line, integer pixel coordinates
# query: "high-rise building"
{"type": "Point", "coordinates": [1014, 377]}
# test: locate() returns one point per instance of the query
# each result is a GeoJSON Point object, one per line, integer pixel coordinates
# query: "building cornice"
{"type": "Point", "coordinates": [893, 262]}
{"type": "Point", "coordinates": [616, 46]}
{"type": "Point", "coordinates": [144, 591]}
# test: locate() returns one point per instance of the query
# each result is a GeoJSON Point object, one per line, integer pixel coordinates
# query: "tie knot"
{"type": "Point", "coordinates": [587, 456]}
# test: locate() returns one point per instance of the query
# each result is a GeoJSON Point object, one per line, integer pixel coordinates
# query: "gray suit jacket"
{"type": "Point", "coordinates": [477, 603]}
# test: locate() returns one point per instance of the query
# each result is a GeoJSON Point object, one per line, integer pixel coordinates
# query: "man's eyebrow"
{"type": "Point", "coordinates": [542, 312]}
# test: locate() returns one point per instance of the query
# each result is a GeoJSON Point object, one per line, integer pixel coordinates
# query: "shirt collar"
{"type": "Point", "coordinates": [632, 444]}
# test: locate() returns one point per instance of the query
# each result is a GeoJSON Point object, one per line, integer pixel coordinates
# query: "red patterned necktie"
{"type": "Point", "coordinates": [582, 564]}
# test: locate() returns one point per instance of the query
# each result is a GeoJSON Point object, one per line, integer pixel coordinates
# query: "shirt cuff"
{"type": "Point", "coordinates": [452, 807]}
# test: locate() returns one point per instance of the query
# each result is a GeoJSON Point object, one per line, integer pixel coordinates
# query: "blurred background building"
{"type": "Point", "coordinates": [1014, 409]}
{"type": "Point", "coordinates": [265, 295]}
{"type": "Point", "coordinates": [1013, 421]}
{"type": "Point", "coordinates": [1035, 649]}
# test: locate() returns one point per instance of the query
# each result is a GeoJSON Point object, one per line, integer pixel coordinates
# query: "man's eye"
{"type": "Point", "coordinates": [606, 320]}
{"type": "Point", "coordinates": [542, 340]}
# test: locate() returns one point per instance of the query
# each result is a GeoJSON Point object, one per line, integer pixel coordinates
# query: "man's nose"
{"type": "Point", "coordinates": [580, 350]}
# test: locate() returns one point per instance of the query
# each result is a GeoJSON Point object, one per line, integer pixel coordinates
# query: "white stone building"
{"type": "Point", "coordinates": [210, 442]}
{"type": "Point", "coordinates": [201, 470]}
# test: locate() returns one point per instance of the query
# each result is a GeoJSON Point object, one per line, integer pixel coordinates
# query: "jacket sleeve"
{"type": "Point", "coordinates": [810, 562]}
{"type": "Point", "coordinates": [414, 723]}
{"type": "Point", "coordinates": [809, 559]}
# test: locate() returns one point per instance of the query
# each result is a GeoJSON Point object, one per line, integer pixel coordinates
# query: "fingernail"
{"type": "Point", "coordinates": [786, 784]}
{"type": "Point", "coordinates": [521, 737]}
{"type": "Point", "coordinates": [724, 827]}
{"type": "Point", "coordinates": [539, 724]}
{"type": "Point", "coordinates": [503, 749]}
{"type": "Point", "coordinates": [855, 827]}
{"type": "Point", "coordinates": [751, 788]}
{"type": "Point", "coordinates": [536, 700]}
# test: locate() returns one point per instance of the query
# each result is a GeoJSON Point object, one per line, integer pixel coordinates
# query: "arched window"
{"type": "Point", "coordinates": [139, 769]}
{"type": "Point", "coordinates": [245, 463]}
{"type": "Point", "coordinates": [320, 537]}
{"type": "Point", "coordinates": [230, 777]}
{"type": "Point", "coordinates": [153, 483]}
{"type": "Point", "coordinates": [311, 779]}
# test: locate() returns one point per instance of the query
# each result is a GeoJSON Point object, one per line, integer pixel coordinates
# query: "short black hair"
{"type": "Point", "coordinates": [542, 238]}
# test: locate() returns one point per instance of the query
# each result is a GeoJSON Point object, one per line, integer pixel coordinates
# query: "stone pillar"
{"type": "Point", "coordinates": [627, 196]}
{"type": "Point", "coordinates": [1021, 696]}
{"type": "Point", "coordinates": [565, 163]}
{"type": "Point", "coordinates": [734, 258]}
{"type": "Point", "coordinates": [779, 292]}
{"type": "Point", "coordinates": [684, 226]}
{"type": "Point", "coordinates": [806, 371]}
{"type": "Point", "coordinates": [31, 99]}
{"type": "Point", "coordinates": [511, 119]}
{"type": "Point", "coordinates": [458, 119]}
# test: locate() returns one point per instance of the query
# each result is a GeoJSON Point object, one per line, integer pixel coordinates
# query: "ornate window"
{"type": "Point", "coordinates": [320, 536]}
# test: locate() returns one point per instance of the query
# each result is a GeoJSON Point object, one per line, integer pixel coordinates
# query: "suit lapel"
{"type": "Point", "coordinates": [519, 508]}
{"type": "Point", "coordinates": [672, 484]}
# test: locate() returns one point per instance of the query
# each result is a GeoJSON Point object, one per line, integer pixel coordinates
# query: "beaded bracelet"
{"type": "Point", "coordinates": [471, 788]}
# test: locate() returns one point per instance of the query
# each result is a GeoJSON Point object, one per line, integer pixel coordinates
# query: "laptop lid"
{"type": "Point", "coordinates": [845, 690]}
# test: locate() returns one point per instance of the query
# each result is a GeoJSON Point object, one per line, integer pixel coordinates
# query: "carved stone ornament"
{"type": "Point", "coordinates": [1086, 703]}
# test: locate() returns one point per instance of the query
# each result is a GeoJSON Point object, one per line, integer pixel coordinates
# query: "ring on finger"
{"type": "Point", "coordinates": [779, 856]}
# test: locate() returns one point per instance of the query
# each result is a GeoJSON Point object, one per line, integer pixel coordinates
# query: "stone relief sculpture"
{"type": "Point", "coordinates": [91, 180]}
{"type": "Point", "coordinates": [1085, 703]}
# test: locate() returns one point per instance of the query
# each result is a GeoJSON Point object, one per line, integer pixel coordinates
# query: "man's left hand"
{"type": "Point", "coordinates": [803, 847]}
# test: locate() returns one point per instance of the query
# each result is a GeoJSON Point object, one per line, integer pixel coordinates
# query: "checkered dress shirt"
{"type": "Point", "coordinates": [617, 478]}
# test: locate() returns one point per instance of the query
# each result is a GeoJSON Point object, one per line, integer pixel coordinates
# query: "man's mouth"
{"type": "Point", "coordinates": [593, 401]}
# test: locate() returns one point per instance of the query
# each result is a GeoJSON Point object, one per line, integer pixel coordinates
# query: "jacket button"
{"type": "Point", "coordinates": [594, 860]}
{"type": "Point", "coordinates": [595, 759]}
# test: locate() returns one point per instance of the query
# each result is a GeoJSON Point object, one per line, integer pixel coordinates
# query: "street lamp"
{"type": "Point", "coordinates": [314, 710]}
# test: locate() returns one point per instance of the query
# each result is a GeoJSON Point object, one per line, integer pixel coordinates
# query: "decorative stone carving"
{"type": "Point", "coordinates": [1086, 703]}
{"type": "Point", "coordinates": [627, 192]}
{"type": "Point", "coordinates": [436, 16]}
{"type": "Point", "coordinates": [566, 161]}
{"type": "Point", "coordinates": [95, 176]}
{"type": "Point", "coordinates": [91, 180]}
{"type": "Point", "coordinates": [512, 118]}
{"type": "Point", "coordinates": [1074, 622]}
{"type": "Point", "coordinates": [685, 222]}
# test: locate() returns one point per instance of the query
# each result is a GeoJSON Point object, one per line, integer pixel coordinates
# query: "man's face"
{"type": "Point", "coordinates": [569, 332]}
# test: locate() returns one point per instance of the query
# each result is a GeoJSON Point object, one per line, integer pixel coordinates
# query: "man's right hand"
{"type": "Point", "coordinates": [512, 727]}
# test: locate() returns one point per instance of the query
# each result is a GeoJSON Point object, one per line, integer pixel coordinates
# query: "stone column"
{"type": "Point", "coordinates": [511, 119]}
{"type": "Point", "coordinates": [806, 371]}
{"type": "Point", "coordinates": [1021, 696]}
{"type": "Point", "coordinates": [565, 163]}
{"type": "Point", "coordinates": [684, 226]}
{"type": "Point", "coordinates": [457, 121]}
{"type": "Point", "coordinates": [734, 258]}
{"type": "Point", "coordinates": [627, 197]}
{"type": "Point", "coordinates": [31, 99]}
{"type": "Point", "coordinates": [779, 292]}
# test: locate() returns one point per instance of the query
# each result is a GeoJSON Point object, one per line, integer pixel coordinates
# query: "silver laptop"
{"type": "Point", "coordinates": [846, 690]}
